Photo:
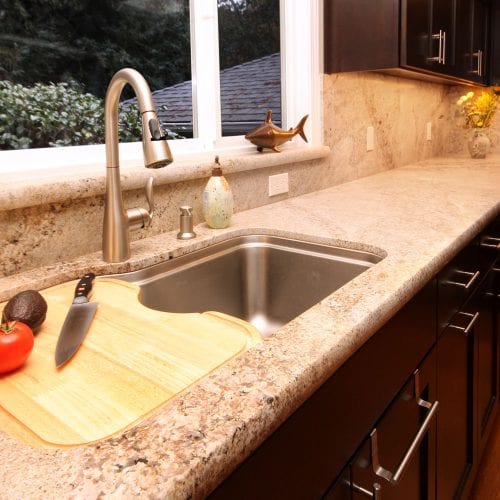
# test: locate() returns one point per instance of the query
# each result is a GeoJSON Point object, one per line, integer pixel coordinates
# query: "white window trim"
{"type": "Point", "coordinates": [301, 63]}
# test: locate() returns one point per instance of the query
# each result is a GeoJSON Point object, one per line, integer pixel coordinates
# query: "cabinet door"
{"type": "Point", "coordinates": [341, 489]}
{"type": "Point", "coordinates": [471, 49]}
{"type": "Point", "coordinates": [428, 35]}
{"type": "Point", "coordinates": [398, 459]}
{"type": "Point", "coordinates": [487, 358]}
{"type": "Point", "coordinates": [494, 69]}
{"type": "Point", "coordinates": [361, 35]}
{"type": "Point", "coordinates": [455, 374]}
{"type": "Point", "coordinates": [310, 449]}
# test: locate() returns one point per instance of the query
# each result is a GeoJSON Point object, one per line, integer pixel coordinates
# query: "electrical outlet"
{"type": "Point", "coordinates": [428, 131]}
{"type": "Point", "coordinates": [278, 184]}
{"type": "Point", "coordinates": [370, 139]}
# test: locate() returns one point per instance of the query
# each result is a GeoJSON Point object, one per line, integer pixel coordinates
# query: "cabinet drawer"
{"type": "Point", "coordinates": [457, 281]}
{"type": "Point", "coordinates": [489, 246]}
{"type": "Point", "coordinates": [398, 458]}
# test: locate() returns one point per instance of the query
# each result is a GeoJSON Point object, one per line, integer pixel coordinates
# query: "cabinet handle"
{"type": "Point", "coordinates": [387, 474]}
{"type": "Point", "coordinates": [495, 245]}
{"type": "Point", "coordinates": [479, 68]}
{"type": "Point", "coordinates": [375, 493]}
{"type": "Point", "coordinates": [438, 36]}
{"type": "Point", "coordinates": [468, 328]}
{"type": "Point", "coordinates": [474, 277]}
{"type": "Point", "coordinates": [443, 54]}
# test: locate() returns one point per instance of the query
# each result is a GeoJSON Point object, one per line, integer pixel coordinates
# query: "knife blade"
{"type": "Point", "coordinates": [77, 322]}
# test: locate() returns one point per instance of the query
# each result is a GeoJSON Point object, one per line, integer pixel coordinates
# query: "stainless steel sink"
{"type": "Point", "coordinates": [265, 280]}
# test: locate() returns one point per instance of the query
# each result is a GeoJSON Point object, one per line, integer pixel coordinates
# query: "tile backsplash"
{"type": "Point", "coordinates": [398, 109]}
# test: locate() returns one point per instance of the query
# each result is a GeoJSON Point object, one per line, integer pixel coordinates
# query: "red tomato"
{"type": "Point", "coordinates": [16, 344]}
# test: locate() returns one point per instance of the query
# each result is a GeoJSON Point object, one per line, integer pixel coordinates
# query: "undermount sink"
{"type": "Point", "coordinates": [265, 280]}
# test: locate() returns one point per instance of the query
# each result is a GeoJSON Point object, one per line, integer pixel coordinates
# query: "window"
{"type": "Point", "coordinates": [300, 76]}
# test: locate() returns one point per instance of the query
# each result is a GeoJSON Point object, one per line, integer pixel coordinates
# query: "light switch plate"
{"type": "Point", "coordinates": [370, 139]}
{"type": "Point", "coordinates": [278, 184]}
{"type": "Point", "coordinates": [428, 131]}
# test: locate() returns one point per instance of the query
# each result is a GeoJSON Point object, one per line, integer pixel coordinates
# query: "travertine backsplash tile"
{"type": "Point", "coordinates": [397, 108]}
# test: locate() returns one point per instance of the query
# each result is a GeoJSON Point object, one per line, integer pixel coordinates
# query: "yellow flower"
{"type": "Point", "coordinates": [478, 112]}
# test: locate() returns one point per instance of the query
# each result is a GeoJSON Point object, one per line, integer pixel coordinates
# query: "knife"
{"type": "Point", "coordinates": [77, 322]}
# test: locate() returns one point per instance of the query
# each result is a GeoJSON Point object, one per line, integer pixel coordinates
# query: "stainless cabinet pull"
{"type": "Point", "coordinates": [443, 54]}
{"type": "Point", "coordinates": [375, 493]}
{"type": "Point", "coordinates": [467, 329]}
{"type": "Point", "coordinates": [479, 68]}
{"type": "Point", "coordinates": [387, 474]}
{"type": "Point", "coordinates": [495, 245]}
{"type": "Point", "coordinates": [438, 36]}
{"type": "Point", "coordinates": [474, 277]}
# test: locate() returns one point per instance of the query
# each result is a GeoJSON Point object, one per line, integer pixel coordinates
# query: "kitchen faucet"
{"type": "Point", "coordinates": [117, 221]}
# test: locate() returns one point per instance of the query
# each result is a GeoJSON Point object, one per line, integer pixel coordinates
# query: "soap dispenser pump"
{"type": "Point", "coordinates": [217, 199]}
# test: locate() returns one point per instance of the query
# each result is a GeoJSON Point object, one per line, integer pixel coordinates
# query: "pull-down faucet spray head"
{"type": "Point", "coordinates": [117, 221]}
{"type": "Point", "coordinates": [154, 142]}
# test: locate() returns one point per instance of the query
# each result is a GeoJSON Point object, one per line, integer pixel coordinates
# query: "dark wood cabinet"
{"type": "Point", "coordinates": [467, 362]}
{"type": "Point", "coordinates": [472, 29]}
{"type": "Point", "coordinates": [399, 456]}
{"type": "Point", "coordinates": [487, 359]}
{"type": "Point", "coordinates": [361, 35]}
{"type": "Point", "coordinates": [428, 29]}
{"type": "Point", "coordinates": [455, 452]}
{"type": "Point", "coordinates": [444, 39]}
{"type": "Point", "coordinates": [307, 453]}
{"type": "Point", "coordinates": [494, 59]}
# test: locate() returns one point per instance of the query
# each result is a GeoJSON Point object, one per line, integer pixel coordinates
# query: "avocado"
{"type": "Point", "coordinates": [28, 306]}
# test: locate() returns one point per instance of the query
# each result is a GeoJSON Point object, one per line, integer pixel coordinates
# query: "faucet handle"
{"type": "Point", "coordinates": [139, 217]}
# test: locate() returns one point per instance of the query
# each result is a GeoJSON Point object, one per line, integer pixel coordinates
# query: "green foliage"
{"type": "Point", "coordinates": [478, 112]}
{"type": "Point", "coordinates": [46, 43]}
{"type": "Point", "coordinates": [89, 40]}
{"type": "Point", "coordinates": [56, 115]}
{"type": "Point", "coordinates": [248, 29]}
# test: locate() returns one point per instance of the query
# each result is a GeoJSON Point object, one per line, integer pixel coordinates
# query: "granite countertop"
{"type": "Point", "coordinates": [417, 217]}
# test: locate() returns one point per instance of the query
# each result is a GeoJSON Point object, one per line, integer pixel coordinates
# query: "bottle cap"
{"type": "Point", "coordinates": [217, 171]}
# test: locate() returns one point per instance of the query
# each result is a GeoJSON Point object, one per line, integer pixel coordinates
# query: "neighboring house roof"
{"type": "Point", "coordinates": [248, 90]}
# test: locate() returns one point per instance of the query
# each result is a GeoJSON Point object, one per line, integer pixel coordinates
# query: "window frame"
{"type": "Point", "coordinates": [301, 81]}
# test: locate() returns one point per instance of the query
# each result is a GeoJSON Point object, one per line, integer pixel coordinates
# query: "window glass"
{"type": "Point", "coordinates": [57, 58]}
{"type": "Point", "coordinates": [250, 76]}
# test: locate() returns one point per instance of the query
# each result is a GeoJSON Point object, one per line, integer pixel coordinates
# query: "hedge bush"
{"type": "Point", "coordinates": [56, 115]}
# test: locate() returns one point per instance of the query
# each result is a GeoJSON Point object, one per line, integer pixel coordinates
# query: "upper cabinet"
{"type": "Point", "coordinates": [445, 39]}
{"type": "Point", "coordinates": [472, 28]}
{"type": "Point", "coordinates": [494, 69]}
{"type": "Point", "coordinates": [428, 35]}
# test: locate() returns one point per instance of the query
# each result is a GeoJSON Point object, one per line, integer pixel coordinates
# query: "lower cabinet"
{"type": "Point", "coordinates": [398, 459]}
{"type": "Point", "coordinates": [467, 373]}
{"type": "Point", "coordinates": [456, 397]}
{"type": "Point", "coordinates": [304, 456]}
{"type": "Point", "coordinates": [408, 415]}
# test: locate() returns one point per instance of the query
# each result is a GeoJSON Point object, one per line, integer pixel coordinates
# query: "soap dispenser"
{"type": "Point", "coordinates": [217, 199]}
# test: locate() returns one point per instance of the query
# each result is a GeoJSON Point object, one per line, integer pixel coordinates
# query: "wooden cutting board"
{"type": "Point", "coordinates": [132, 361]}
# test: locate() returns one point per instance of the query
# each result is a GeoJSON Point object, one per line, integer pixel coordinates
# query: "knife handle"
{"type": "Point", "coordinates": [84, 286]}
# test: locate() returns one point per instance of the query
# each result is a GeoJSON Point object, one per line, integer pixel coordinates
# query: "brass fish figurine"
{"type": "Point", "coordinates": [268, 135]}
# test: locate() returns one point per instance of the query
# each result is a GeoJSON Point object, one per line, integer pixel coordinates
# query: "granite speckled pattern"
{"type": "Point", "coordinates": [59, 216]}
{"type": "Point", "coordinates": [417, 216]}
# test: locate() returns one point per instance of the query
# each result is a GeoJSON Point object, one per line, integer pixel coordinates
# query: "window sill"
{"type": "Point", "coordinates": [27, 187]}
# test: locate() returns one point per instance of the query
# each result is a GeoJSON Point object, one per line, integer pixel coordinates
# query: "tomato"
{"type": "Point", "coordinates": [16, 344]}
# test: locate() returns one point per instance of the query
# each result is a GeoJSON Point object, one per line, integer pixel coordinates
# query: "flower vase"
{"type": "Point", "coordinates": [478, 144]}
